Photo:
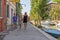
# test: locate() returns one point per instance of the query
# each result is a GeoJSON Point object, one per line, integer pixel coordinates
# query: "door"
{"type": "Point", "coordinates": [11, 15]}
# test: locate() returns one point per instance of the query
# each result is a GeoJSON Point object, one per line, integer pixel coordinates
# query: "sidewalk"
{"type": "Point", "coordinates": [2, 35]}
{"type": "Point", "coordinates": [30, 34]}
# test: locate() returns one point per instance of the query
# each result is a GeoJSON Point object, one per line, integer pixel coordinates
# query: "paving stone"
{"type": "Point", "coordinates": [30, 34]}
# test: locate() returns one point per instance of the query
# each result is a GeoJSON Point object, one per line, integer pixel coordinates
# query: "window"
{"type": "Point", "coordinates": [7, 10]}
{"type": "Point", "coordinates": [0, 8]}
{"type": "Point", "coordinates": [11, 12]}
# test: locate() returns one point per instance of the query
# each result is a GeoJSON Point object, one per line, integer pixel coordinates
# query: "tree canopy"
{"type": "Point", "coordinates": [37, 7]}
{"type": "Point", "coordinates": [57, 1]}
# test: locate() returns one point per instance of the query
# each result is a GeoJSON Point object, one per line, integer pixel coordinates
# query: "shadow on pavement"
{"type": "Point", "coordinates": [2, 37]}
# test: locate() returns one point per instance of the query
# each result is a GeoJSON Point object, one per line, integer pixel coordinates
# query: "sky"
{"type": "Point", "coordinates": [27, 7]}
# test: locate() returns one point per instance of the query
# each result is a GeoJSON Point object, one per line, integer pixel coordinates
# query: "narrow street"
{"type": "Point", "coordinates": [13, 12]}
{"type": "Point", "coordinates": [30, 34]}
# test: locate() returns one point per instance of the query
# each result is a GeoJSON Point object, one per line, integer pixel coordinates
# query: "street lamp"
{"type": "Point", "coordinates": [24, 5]}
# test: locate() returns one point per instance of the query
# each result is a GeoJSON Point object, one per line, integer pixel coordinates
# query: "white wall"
{"type": "Point", "coordinates": [11, 6]}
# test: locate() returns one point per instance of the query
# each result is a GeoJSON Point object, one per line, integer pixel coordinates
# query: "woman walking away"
{"type": "Point", "coordinates": [25, 19]}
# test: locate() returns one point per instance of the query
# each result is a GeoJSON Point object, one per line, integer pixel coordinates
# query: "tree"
{"type": "Point", "coordinates": [37, 7]}
{"type": "Point", "coordinates": [54, 12]}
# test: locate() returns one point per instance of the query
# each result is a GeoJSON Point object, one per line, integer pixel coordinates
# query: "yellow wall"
{"type": "Point", "coordinates": [14, 1]}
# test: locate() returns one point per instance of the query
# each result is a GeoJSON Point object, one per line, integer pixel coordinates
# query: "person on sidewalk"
{"type": "Point", "coordinates": [14, 21]}
{"type": "Point", "coordinates": [25, 19]}
{"type": "Point", "coordinates": [20, 21]}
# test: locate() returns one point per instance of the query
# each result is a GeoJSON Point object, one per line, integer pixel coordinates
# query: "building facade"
{"type": "Point", "coordinates": [11, 9]}
{"type": "Point", "coordinates": [7, 9]}
{"type": "Point", "coordinates": [2, 14]}
{"type": "Point", "coordinates": [55, 8]}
